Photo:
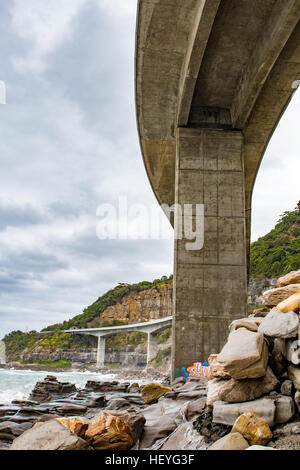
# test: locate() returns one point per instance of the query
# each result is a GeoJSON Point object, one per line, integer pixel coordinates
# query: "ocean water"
{"type": "Point", "coordinates": [17, 384]}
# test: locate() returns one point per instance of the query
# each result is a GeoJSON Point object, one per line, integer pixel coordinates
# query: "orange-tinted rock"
{"type": "Point", "coordinates": [291, 304]}
{"type": "Point", "coordinates": [215, 369]}
{"type": "Point", "coordinates": [108, 432]}
{"type": "Point", "coordinates": [253, 428]}
{"type": "Point", "coordinates": [153, 391]}
{"type": "Point", "coordinates": [273, 297]}
{"type": "Point", "coordinates": [291, 278]}
{"type": "Point", "coordinates": [76, 425]}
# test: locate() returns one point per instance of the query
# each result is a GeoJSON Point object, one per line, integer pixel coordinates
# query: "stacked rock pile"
{"type": "Point", "coordinates": [257, 373]}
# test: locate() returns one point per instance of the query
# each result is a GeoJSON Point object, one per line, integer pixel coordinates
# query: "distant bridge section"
{"type": "Point", "coordinates": [152, 328]}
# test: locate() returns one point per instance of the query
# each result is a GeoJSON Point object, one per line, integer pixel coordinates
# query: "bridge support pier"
{"type": "Point", "coordinates": [151, 347]}
{"type": "Point", "coordinates": [210, 285]}
{"type": "Point", "coordinates": [101, 351]}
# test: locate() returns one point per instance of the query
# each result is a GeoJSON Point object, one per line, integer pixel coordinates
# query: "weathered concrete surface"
{"type": "Point", "coordinates": [210, 288]}
{"type": "Point", "coordinates": [208, 64]}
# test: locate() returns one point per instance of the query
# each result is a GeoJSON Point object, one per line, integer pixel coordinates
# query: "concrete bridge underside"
{"type": "Point", "coordinates": [213, 78]}
{"type": "Point", "coordinates": [152, 328]}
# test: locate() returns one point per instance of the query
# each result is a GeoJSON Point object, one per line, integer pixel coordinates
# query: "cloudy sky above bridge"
{"type": "Point", "coordinates": [68, 143]}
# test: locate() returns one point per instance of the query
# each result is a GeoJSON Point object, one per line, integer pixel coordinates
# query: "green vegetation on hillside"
{"type": "Point", "coordinates": [52, 337]}
{"type": "Point", "coordinates": [278, 252]}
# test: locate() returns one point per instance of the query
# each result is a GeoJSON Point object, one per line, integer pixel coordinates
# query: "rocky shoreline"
{"type": "Point", "coordinates": [248, 400]}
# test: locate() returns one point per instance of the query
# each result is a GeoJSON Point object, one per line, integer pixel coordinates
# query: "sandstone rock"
{"type": "Point", "coordinates": [291, 278]}
{"type": "Point", "coordinates": [273, 297]}
{"type": "Point", "coordinates": [285, 409]}
{"type": "Point", "coordinates": [250, 324]}
{"type": "Point", "coordinates": [238, 391]}
{"type": "Point", "coordinates": [287, 388]}
{"type": "Point", "coordinates": [291, 304]}
{"type": "Point", "coordinates": [233, 441]}
{"type": "Point", "coordinates": [294, 376]}
{"type": "Point", "coordinates": [245, 355]}
{"type": "Point", "coordinates": [293, 351]}
{"type": "Point", "coordinates": [51, 435]}
{"type": "Point", "coordinates": [227, 413]}
{"type": "Point", "coordinates": [185, 437]}
{"type": "Point", "coordinates": [153, 391]}
{"type": "Point", "coordinates": [134, 418]}
{"type": "Point", "coordinates": [76, 425]}
{"type": "Point", "coordinates": [162, 419]}
{"type": "Point", "coordinates": [216, 370]}
{"type": "Point", "coordinates": [50, 388]}
{"type": "Point", "coordinates": [214, 388]}
{"type": "Point", "coordinates": [253, 427]}
{"type": "Point", "coordinates": [194, 407]}
{"type": "Point", "coordinates": [280, 325]}
{"type": "Point", "coordinates": [210, 430]}
{"type": "Point", "coordinates": [9, 430]}
{"type": "Point", "coordinates": [108, 432]}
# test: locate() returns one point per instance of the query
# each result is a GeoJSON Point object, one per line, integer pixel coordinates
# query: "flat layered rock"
{"type": "Point", "coordinates": [291, 278]}
{"type": "Point", "coordinates": [280, 325]}
{"type": "Point", "coordinates": [273, 297]}
{"type": "Point", "coordinates": [245, 355]}
{"type": "Point", "coordinates": [238, 391]}
{"type": "Point", "coordinates": [49, 436]}
{"type": "Point", "coordinates": [227, 413]}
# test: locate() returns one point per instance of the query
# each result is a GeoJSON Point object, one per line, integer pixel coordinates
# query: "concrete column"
{"type": "Point", "coordinates": [210, 285]}
{"type": "Point", "coordinates": [101, 351]}
{"type": "Point", "coordinates": [151, 347]}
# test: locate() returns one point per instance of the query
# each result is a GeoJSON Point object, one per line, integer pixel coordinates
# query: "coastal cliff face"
{"type": "Point", "coordinates": [141, 306]}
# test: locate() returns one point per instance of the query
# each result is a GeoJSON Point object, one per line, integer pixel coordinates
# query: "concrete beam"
{"type": "Point", "coordinates": [205, 14]}
{"type": "Point", "coordinates": [278, 29]}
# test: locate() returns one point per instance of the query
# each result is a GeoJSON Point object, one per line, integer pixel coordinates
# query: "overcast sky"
{"type": "Point", "coordinates": [68, 143]}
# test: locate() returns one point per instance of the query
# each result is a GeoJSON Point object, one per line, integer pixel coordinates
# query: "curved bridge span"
{"type": "Point", "coordinates": [152, 328]}
{"type": "Point", "coordinates": [213, 78]}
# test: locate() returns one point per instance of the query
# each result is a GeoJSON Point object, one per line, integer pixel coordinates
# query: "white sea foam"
{"type": "Point", "coordinates": [17, 384]}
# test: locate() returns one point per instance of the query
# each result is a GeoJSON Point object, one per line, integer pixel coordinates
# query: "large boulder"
{"type": "Point", "coordinates": [250, 324]}
{"type": "Point", "coordinates": [51, 435]}
{"type": "Point", "coordinates": [253, 427]}
{"type": "Point", "coordinates": [109, 432]}
{"type": "Point", "coordinates": [153, 391]}
{"type": "Point", "coordinates": [162, 419]}
{"type": "Point", "coordinates": [294, 376]}
{"type": "Point", "coordinates": [214, 389]}
{"type": "Point", "coordinates": [227, 413]}
{"type": "Point", "coordinates": [291, 304]}
{"type": "Point", "coordinates": [50, 388]}
{"type": "Point", "coordinates": [291, 278]}
{"type": "Point", "coordinates": [285, 409]}
{"type": "Point", "coordinates": [245, 355]}
{"type": "Point", "coordinates": [280, 325]}
{"type": "Point", "coordinates": [9, 429]}
{"type": "Point", "coordinates": [238, 391]}
{"type": "Point", "coordinates": [273, 297]}
{"type": "Point", "coordinates": [184, 437]}
{"type": "Point", "coordinates": [215, 369]}
{"type": "Point", "coordinates": [232, 441]}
